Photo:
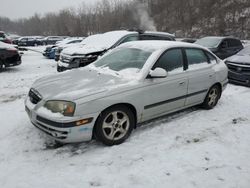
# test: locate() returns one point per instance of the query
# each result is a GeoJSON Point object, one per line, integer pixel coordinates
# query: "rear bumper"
{"type": "Point", "coordinates": [239, 78]}
{"type": "Point", "coordinates": [13, 61]}
{"type": "Point", "coordinates": [50, 55]}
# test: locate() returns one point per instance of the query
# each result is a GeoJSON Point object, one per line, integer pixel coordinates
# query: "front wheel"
{"type": "Point", "coordinates": [114, 125]}
{"type": "Point", "coordinates": [212, 97]}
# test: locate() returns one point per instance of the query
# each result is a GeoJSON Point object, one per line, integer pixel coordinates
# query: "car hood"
{"type": "Point", "coordinates": [83, 49]}
{"type": "Point", "coordinates": [239, 59]}
{"type": "Point", "coordinates": [80, 83]}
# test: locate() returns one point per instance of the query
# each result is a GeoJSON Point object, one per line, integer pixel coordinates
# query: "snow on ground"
{"type": "Point", "coordinates": [192, 148]}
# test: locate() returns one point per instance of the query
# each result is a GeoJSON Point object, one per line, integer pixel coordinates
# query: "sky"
{"type": "Point", "coordinates": [15, 9]}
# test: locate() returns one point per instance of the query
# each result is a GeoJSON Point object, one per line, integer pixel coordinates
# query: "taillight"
{"type": "Point", "coordinates": [8, 41]}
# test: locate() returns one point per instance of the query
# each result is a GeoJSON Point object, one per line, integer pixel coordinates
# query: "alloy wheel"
{"type": "Point", "coordinates": [116, 125]}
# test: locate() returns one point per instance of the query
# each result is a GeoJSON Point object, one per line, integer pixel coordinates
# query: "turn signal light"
{"type": "Point", "coordinates": [84, 121]}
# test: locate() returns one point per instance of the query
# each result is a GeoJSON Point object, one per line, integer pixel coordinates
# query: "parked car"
{"type": "Point", "coordinates": [15, 40]}
{"type": "Point", "coordinates": [51, 40]}
{"type": "Point", "coordinates": [29, 41]}
{"type": "Point", "coordinates": [223, 47]}
{"type": "Point", "coordinates": [136, 82]}
{"type": "Point", "coordinates": [9, 56]}
{"type": "Point", "coordinates": [239, 67]}
{"type": "Point", "coordinates": [96, 46]}
{"type": "Point", "coordinates": [4, 38]}
{"type": "Point", "coordinates": [65, 44]}
{"type": "Point", "coordinates": [53, 51]}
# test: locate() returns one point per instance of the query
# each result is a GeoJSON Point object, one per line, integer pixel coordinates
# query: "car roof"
{"type": "Point", "coordinates": [159, 33]}
{"type": "Point", "coordinates": [154, 45]}
{"type": "Point", "coordinates": [220, 37]}
{"type": "Point", "coordinates": [120, 33]}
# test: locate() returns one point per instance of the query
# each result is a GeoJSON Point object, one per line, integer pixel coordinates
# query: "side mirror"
{"type": "Point", "coordinates": [158, 73]}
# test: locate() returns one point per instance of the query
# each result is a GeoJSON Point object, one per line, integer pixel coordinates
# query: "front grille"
{"type": "Point", "coordinates": [34, 96]}
{"type": "Point", "coordinates": [239, 68]}
{"type": "Point", "coordinates": [85, 61]}
{"type": "Point", "coordinates": [65, 59]}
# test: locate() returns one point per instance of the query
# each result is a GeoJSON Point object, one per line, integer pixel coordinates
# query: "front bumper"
{"type": "Point", "coordinates": [66, 66]}
{"type": "Point", "coordinates": [239, 78]}
{"type": "Point", "coordinates": [62, 131]}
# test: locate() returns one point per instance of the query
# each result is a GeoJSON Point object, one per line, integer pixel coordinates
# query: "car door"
{"type": "Point", "coordinates": [164, 95]}
{"type": "Point", "coordinates": [23, 42]}
{"type": "Point", "coordinates": [201, 75]}
{"type": "Point", "coordinates": [30, 41]}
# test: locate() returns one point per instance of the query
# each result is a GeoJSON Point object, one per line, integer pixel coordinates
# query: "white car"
{"type": "Point", "coordinates": [135, 82]}
{"type": "Point", "coordinates": [96, 45]}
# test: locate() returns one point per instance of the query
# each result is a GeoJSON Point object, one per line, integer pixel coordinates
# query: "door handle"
{"type": "Point", "coordinates": [182, 83]}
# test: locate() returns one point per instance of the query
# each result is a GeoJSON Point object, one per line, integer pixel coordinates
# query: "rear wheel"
{"type": "Point", "coordinates": [114, 125]}
{"type": "Point", "coordinates": [212, 97]}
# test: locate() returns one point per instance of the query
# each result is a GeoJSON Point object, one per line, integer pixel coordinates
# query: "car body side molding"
{"type": "Point", "coordinates": [174, 99]}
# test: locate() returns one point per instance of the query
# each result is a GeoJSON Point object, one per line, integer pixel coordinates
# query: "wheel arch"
{"type": "Point", "coordinates": [128, 105]}
{"type": "Point", "coordinates": [219, 85]}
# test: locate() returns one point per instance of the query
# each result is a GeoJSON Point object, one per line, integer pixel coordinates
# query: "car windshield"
{"type": "Point", "coordinates": [209, 42]}
{"type": "Point", "coordinates": [245, 51]}
{"type": "Point", "coordinates": [124, 58]}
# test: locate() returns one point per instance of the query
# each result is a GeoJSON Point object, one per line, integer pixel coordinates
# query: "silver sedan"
{"type": "Point", "coordinates": [133, 83]}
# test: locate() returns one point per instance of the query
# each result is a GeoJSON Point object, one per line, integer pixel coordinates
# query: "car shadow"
{"type": "Point", "coordinates": [81, 148]}
{"type": "Point", "coordinates": [10, 70]}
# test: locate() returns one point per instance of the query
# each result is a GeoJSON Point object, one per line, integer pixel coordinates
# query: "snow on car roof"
{"type": "Point", "coordinates": [108, 39]}
{"type": "Point", "coordinates": [68, 40]}
{"type": "Point", "coordinates": [152, 45]}
{"type": "Point", "coordinates": [98, 42]}
{"type": "Point", "coordinates": [159, 33]}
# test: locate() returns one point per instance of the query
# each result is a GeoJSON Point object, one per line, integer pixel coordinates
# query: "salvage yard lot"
{"type": "Point", "coordinates": [195, 147]}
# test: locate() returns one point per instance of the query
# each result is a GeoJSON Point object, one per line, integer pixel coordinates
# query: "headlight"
{"type": "Point", "coordinates": [66, 108]}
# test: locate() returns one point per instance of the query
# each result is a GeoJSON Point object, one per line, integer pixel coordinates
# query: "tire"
{"type": "Point", "coordinates": [114, 125]}
{"type": "Point", "coordinates": [59, 69]}
{"type": "Point", "coordinates": [212, 97]}
{"type": "Point", "coordinates": [1, 65]}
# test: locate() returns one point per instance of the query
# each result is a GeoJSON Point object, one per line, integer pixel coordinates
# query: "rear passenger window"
{"type": "Point", "coordinates": [171, 61]}
{"type": "Point", "coordinates": [129, 39]}
{"type": "Point", "coordinates": [234, 43]}
{"type": "Point", "coordinates": [196, 58]}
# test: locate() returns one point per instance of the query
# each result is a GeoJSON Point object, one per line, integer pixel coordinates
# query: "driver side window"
{"type": "Point", "coordinates": [224, 44]}
{"type": "Point", "coordinates": [171, 61]}
{"type": "Point", "coordinates": [129, 39]}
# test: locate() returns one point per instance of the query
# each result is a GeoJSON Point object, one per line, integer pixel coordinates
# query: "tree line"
{"type": "Point", "coordinates": [191, 18]}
